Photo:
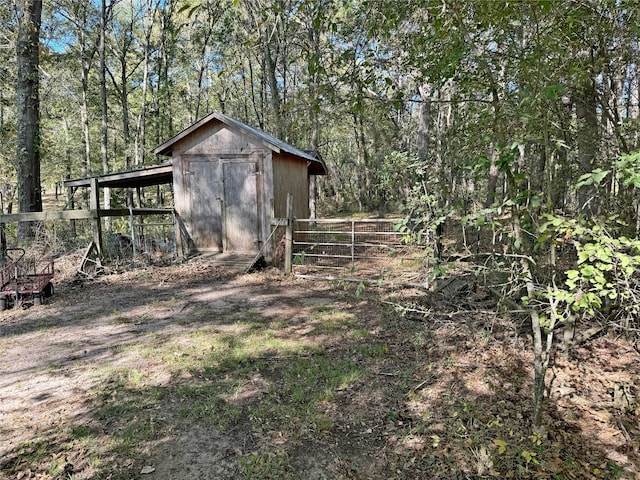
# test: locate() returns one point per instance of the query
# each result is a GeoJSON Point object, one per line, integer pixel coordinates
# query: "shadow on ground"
{"type": "Point", "coordinates": [211, 375]}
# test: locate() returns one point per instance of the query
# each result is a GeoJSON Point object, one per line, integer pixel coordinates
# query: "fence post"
{"type": "Point", "coordinates": [353, 243]}
{"type": "Point", "coordinates": [288, 238]}
{"type": "Point", "coordinates": [133, 235]}
{"type": "Point", "coordinates": [95, 205]}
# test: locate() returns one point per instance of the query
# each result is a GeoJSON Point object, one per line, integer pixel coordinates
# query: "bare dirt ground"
{"type": "Point", "coordinates": [197, 372]}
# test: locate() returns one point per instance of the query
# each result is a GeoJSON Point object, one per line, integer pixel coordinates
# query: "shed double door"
{"type": "Point", "coordinates": [240, 206]}
{"type": "Point", "coordinates": [224, 204]}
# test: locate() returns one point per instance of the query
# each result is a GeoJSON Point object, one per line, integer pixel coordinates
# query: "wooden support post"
{"type": "Point", "coordinates": [133, 232]}
{"type": "Point", "coordinates": [95, 206]}
{"type": "Point", "coordinates": [223, 224]}
{"type": "Point", "coordinates": [71, 204]}
{"type": "Point", "coordinates": [353, 243]}
{"type": "Point", "coordinates": [3, 236]}
{"type": "Point", "coordinates": [288, 238]}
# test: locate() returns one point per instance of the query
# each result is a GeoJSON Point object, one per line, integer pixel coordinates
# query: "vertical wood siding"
{"type": "Point", "coordinates": [226, 184]}
{"type": "Point", "coordinates": [290, 176]}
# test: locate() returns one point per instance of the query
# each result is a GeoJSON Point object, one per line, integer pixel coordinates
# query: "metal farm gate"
{"type": "Point", "coordinates": [371, 250]}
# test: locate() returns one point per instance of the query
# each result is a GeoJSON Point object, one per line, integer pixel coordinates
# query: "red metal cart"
{"type": "Point", "coordinates": [24, 279]}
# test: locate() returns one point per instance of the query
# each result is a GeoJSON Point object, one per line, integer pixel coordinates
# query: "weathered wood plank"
{"type": "Point", "coordinates": [44, 216]}
{"type": "Point", "coordinates": [125, 212]}
{"type": "Point", "coordinates": [79, 214]}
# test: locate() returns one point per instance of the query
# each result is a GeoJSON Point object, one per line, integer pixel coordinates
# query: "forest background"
{"type": "Point", "coordinates": [519, 118]}
{"type": "Point", "coordinates": [474, 102]}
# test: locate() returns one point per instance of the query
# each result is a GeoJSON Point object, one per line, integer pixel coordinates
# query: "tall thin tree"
{"type": "Point", "coordinates": [28, 112]}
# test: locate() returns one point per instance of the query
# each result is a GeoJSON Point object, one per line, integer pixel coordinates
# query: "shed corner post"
{"type": "Point", "coordinates": [288, 242]}
{"type": "Point", "coordinates": [95, 206]}
{"type": "Point", "coordinates": [177, 235]}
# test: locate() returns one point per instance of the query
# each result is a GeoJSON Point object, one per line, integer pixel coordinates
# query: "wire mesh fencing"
{"type": "Point", "coordinates": [51, 238]}
{"type": "Point", "coordinates": [143, 239]}
{"type": "Point", "coordinates": [371, 249]}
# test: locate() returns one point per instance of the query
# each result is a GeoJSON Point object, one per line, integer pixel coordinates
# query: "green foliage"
{"type": "Point", "coordinates": [419, 226]}
{"type": "Point", "coordinates": [607, 266]}
{"type": "Point", "coordinates": [594, 177]}
{"type": "Point", "coordinates": [398, 175]}
{"type": "Point", "coordinates": [423, 203]}
{"type": "Point", "coordinates": [346, 78]}
{"type": "Point", "coordinates": [628, 168]}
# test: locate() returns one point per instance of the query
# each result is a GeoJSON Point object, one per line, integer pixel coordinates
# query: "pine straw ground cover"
{"type": "Point", "coordinates": [191, 371]}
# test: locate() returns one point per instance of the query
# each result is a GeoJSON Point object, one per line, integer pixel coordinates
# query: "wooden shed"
{"type": "Point", "coordinates": [230, 179]}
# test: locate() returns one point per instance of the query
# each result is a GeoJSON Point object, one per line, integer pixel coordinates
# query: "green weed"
{"type": "Point", "coordinates": [266, 465]}
{"type": "Point", "coordinates": [373, 350]}
{"type": "Point", "coordinates": [331, 321]}
{"type": "Point", "coordinates": [359, 333]}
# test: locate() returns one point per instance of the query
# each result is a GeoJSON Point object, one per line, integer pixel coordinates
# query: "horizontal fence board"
{"type": "Point", "coordinates": [79, 214]}
{"type": "Point", "coordinates": [125, 212]}
{"type": "Point", "coordinates": [153, 224]}
{"type": "Point", "coordinates": [46, 216]}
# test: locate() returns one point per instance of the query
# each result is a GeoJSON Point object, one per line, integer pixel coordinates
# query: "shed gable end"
{"type": "Point", "coordinates": [217, 138]}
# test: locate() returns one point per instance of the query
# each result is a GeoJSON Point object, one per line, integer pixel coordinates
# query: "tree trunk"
{"type": "Point", "coordinates": [587, 138]}
{"type": "Point", "coordinates": [494, 172]}
{"type": "Point", "coordinates": [364, 189]}
{"type": "Point", "coordinates": [139, 147]}
{"type": "Point", "coordinates": [28, 108]}
{"type": "Point", "coordinates": [272, 81]}
{"type": "Point", "coordinates": [542, 349]}
{"type": "Point", "coordinates": [202, 68]}
{"type": "Point", "coordinates": [103, 103]}
{"type": "Point", "coordinates": [313, 37]}
{"type": "Point", "coordinates": [126, 129]}
{"type": "Point", "coordinates": [424, 121]}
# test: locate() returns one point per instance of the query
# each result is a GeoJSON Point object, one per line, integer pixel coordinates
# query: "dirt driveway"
{"type": "Point", "coordinates": [196, 372]}
{"type": "Point", "coordinates": [57, 358]}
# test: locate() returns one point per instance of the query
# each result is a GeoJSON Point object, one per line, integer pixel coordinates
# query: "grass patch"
{"type": "Point", "coordinates": [359, 334]}
{"type": "Point", "coordinates": [294, 393]}
{"type": "Point", "coordinates": [266, 465]}
{"type": "Point", "coordinates": [207, 314]}
{"type": "Point", "coordinates": [298, 401]}
{"type": "Point", "coordinates": [51, 454]}
{"type": "Point", "coordinates": [252, 318]}
{"type": "Point", "coordinates": [127, 402]}
{"type": "Point", "coordinates": [119, 318]}
{"type": "Point", "coordinates": [331, 320]}
{"type": "Point", "coordinates": [126, 377]}
{"type": "Point", "coordinates": [206, 402]}
{"type": "Point", "coordinates": [30, 454]}
{"type": "Point", "coordinates": [82, 431]}
{"type": "Point", "coordinates": [373, 351]}
{"type": "Point", "coordinates": [119, 348]}
{"type": "Point", "coordinates": [212, 409]}
{"type": "Point", "coordinates": [278, 325]}
{"type": "Point", "coordinates": [315, 379]}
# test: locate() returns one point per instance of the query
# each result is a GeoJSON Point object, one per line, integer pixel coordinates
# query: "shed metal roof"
{"type": "Point", "coordinates": [317, 165]}
{"type": "Point", "coordinates": [144, 177]}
